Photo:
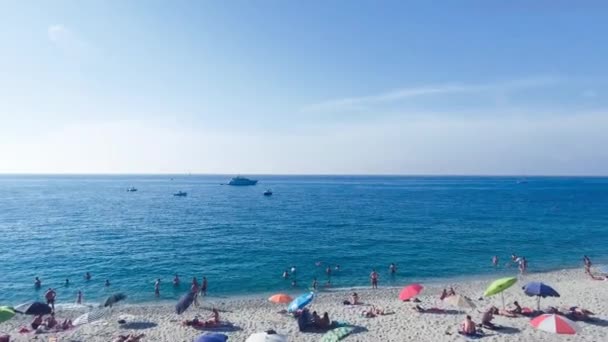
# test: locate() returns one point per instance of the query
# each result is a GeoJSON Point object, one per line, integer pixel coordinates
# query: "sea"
{"type": "Point", "coordinates": [58, 227]}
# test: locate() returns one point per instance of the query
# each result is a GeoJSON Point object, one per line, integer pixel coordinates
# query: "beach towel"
{"type": "Point", "coordinates": [336, 334]}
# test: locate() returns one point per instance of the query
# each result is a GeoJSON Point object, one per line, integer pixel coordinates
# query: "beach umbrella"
{"type": "Point", "coordinates": [460, 301]}
{"type": "Point", "coordinates": [498, 286]}
{"type": "Point", "coordinates": [34, 309]}
{"type": "Point", "coordinates": [300, 302]}
{"type": "Point", "coordinates": [555, 324]}
{"type": "Point", "coordinates": [336, 334]}
{"type": "Point", "coordinates": [6, 313]}
{"type": "Point", "coordinates": [266, 337]}
{"type": "Point", "coordinates": [211, 338]}
{"type": "Point", "coordinates": [280, 298]}
{"type": "Point", "coordinates": [410, 291]}
{"type": "Point", "coordinates": [113, 299]}
{"type": "Point", "coordinates": [90, 317]}
{"type": "Point", "coordinates": [184, 302]}
{"type": "Point", "coordinates": [539, 289]}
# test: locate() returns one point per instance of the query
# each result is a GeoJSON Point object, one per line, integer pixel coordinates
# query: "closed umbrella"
{"type": "Point", "coordinates": [460, 301]}
{"type": "Point", "coordinates": [113, 299]}
{"type": "Point", "coordinates": [211, 338]}
{"type": "Point", "coordinates": [184, 302]}
{"type": "Point", "coordinates": [266, 337]}
{"type": "Point", "coordinates": [6, 313]}
{"type": "Point", "coordinates": [34, 309]}
{"type": "Point", "coordinates": [280, 298]}
{"type": "Point", "coordinates": [555, 324]}
{"type": "Point", "coordinates": [410, 291]}
{"type": "Point", "coordinates": [498, 286]}
{"type": "Point", "coordinates": [91, 316]}
{"type": "Point", "coordinates": [300, 302]}
{"type": "Point", "coordinates": [539, 290]}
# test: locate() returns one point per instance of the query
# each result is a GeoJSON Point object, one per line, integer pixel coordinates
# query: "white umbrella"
{"type": "Point", "coordinates": [266, 337]}
{"type": "Point", "coordinates": [460, 301]}
{"type": "Point", "coordinates": [91, 316]}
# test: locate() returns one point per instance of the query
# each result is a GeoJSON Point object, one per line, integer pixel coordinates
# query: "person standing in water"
{"type": "Point", "coordinates": [204, 287]}
{"type": "Point", "coordinates": [194, 290]}
{"type": "Point", "coordinates": [50, 298]}
{"type": "Point", "coordinates": [87, 276]}
{"type": "Point", "coordinates": [37, 283]}
{"type": "Point", "coordinates": [107, 284]}
{"type": "Point", "coordinates": [587, 263]}
{"type": "Point", "coordinates": [495, 261]}
{"type": "Point", "coordinates": [157, 288]}
{"type": "Point", "coordinates": [374, 279]}
{"type": "Point", "coordinates": [67, 282]}
{"type": "Point", "coordinates": [285, 274]}
{"type": "Point", "coordinates": [79, 297]}
{"type": "Point", "coordinates": [392, 268]}
{"type": "Point", "coordinates": [176, 280]}
{"type": "Point", "coordinates": [314, 284]}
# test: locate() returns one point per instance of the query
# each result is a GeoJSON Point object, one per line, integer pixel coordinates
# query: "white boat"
{"type": "Point", "coordinates": [242, 181]}
{"type": "Point", "coordinates": [268, 192]}
{"type": "Point", "coordinates": [131, 189]}
{"type": "Point", "coordinates": [180, 194]}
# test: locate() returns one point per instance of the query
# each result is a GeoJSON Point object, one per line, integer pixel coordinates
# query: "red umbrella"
{"type": "Point", "coordinates": [555, 324]}
{"type": "Point", "coordinates": [410, 291]}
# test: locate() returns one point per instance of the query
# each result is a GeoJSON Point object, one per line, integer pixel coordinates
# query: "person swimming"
{"type": "Point", "coordinates": [87, 276]}
{"type": "Point", "coordinates": [176, 280]}
{"type": "Point", "coordinates": [67, 282]}
{"type": "Point", "coordinates": [107, 284]}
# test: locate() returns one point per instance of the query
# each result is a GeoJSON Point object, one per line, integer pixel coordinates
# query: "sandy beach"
{"type": "Point", "coordinates": [252, 314]}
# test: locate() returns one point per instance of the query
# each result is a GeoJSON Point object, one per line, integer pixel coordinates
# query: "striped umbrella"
{"type": "Point", "coordinates": [410, 291]}
{"type": "Point", "coordinates": [460, 301]}
{"type": "Point", "coordinates": [91, 316]}
{"type": "Point", "coordinates": [555, 324]}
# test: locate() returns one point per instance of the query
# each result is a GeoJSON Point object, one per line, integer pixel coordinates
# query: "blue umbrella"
{"type": "Point", "coordinates": [300, 302]}
{"type": "Point", "coordinates": [212, 338]}
{"type": "Point", "coordinates": [539, 289]}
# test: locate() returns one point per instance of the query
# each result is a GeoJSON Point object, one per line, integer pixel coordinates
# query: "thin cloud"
{"type": "Point", "coordinates": [364, 102]}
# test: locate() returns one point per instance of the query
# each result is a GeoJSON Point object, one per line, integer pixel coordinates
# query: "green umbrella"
{"type": "Point", "coordinates": [498, 286]}
{"type": "Point", "coordinates": [6, 313]}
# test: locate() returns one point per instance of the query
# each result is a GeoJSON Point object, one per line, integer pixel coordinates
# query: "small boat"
{"type": "Point", "coordinates": [131, 189]}
{"type": "Point", "coordinates": [242, 181]}
{"type": "Point", "coordinates": [180, 194]}
{"type": "Point", "coordinates": [268, 192]}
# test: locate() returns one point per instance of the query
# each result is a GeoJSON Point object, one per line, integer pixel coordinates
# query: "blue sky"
{"type": "Point", "coordinates": [389, 87]}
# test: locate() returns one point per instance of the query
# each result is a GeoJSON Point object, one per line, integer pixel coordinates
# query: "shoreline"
{"type": "Point", "coordinates": [253, 313]}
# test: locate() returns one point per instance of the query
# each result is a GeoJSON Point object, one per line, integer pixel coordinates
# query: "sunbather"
{"type": "Point", "coordinates": [468, 327]}
{"type": "Point", "coordinates": [429, 310]}
{"type": "Point", "coordinates": [488, 316]}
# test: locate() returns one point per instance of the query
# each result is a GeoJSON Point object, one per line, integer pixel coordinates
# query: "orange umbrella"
{"type": "Point", "coordinates": [410, 291]}
{"type": "Point", "coordinates": [280, 298]}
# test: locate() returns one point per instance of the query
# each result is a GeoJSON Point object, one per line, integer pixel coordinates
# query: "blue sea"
{"type": "Point", "coordinates": [59, 227]}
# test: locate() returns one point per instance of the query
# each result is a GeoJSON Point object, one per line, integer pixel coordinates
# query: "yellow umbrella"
{"type": "Point", "coordinates": [498, 286]}
{"type": "Point", "coordinates": [280, 298]}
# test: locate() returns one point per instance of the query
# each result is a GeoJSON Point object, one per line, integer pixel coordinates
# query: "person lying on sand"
{"type": "Point", "coordinates": [595, 277]}
{"type": "Point", "coordinates": [211, 322]}
{"type": "Point", "coordinates": [374, 311]}
{"type": "Point", "coordinates": [128, 338]}
{"type": "Point", "coordinates": [517, 310]}
{"type": "Point", "coordinates": [354, 300]}
{"type": "Point", "coordinates": [578, 314]}
{"type": "Point", "coordinates": [429, 310]}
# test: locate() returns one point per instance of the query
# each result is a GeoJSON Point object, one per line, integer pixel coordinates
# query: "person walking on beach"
{"type": "Point", "coordinates": [87, 276]}
{"type": "Point", "coordinates": [157, 288]}
{"type": "Point", "coordinates": [314, 284]}
{"type": "Point", "coordinates": [587, 263]}
{"type": "Point", "coordinates": [204, 287]}
{"type": "Point", "coordinates": [194, 290]}
{"type": "Point", "coordinates": [37, 283]}
{"type": "Point", "coordinates": [176, 280]}
{"type": "Point", "coordinates": [50, 298]}
{"type": "Point", "coordinates": [392, 268]}
{"type": "Point", "coordinates": [374, 278]}
{"type": "Point", "coordinates": [79, 297]}
{"type": "Point", "coordinates": [495, 261]}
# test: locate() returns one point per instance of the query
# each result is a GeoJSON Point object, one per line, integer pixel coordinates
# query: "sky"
{"type": "Point", "coordinates": [304, 87]}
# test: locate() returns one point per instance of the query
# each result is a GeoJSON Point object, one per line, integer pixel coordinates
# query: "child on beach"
{"type": "Point", "coordinates": [374, 279]}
